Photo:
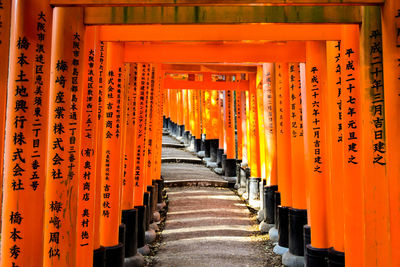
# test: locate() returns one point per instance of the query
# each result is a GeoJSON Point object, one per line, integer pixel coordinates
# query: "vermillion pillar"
{"type": "Point", "coordinates": [111, 156]}
{"type": "Point", "coordinates": [98, 257]}
{"type": "Point", "coordinates": [270, 142]}
{"type": "Point", "coordinates": [129, 213]}
{"type": "Point", "coordinates": [376, 191]}
{"type": "Point", "coordinates": [63, 155]}
{"type": "Point", "coordinates": [207, 123]}
{"type": "Point", "coordinates": [353, 182]}
{"type": "Point", "coordinates": [247, 127]}
{"type": "Point", "coordinates": [197, 119]}
{"type": "Point", "coordinates": [214, 129]}
{"type": "Point", "coordinates": [284, 158]}
{"type": "Point", "coordinates": [186, 111]}
{"type": "Point", "coordinates": [255, 168]}
{"type": "Point", "coordinates": [88, 150]}
{"type": "Point", "coordinates": [317, 163]}
{"type": "Point", "coordinates": [181, 113]}
{"type": "Point", "coordinates": [298, 211]}
{"type": "Point", "coordinates": [239, 119]}
{"type": "Point", "coordinates": [221, 134]}
{"type": "Point", "coordinates": [391, 57]}
{"type": "Point", "coordinates": [230, 163]}
{"type": "Point", "coordinates": [261, 128]}
{"type": "Point", "coordinates": [335, 149]}
{"type": "Point", "coordinates": [5, 16]}
{"type": "Point", "coordinates": [269, 122]}
{"type": "Point", "coordinates": [25, 148]}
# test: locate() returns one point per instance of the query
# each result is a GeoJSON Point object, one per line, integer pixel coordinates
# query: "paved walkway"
{"type": "Point", "coordinates": [205, 226]}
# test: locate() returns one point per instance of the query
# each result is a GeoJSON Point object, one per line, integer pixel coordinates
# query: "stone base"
{"type": "Point", "coordinates": [161, 206]}
{"type": "Point", "coordinates": [145, 250]}
{"type": "Point", "coordinates": [280, 250]}
{"type": "Point", "coordinates": [156, 216]}
{"type": "Point", "coordinates": [201, 154]}
{"type": "Point", "coordinates": [290, 260]}
{"type": "Point", "coordinates": [273, 234]}
{"type": "Point", "coordinates": [154, 226]}
{"type": "Point", "coordinates": [230, 179]}
{"type": "Point", "coordinates": [241, 191]}
{"type": "Point", "coordinates": [135, 261]}
{"type": "Point", "coordinates": [218, 171]}
{"type": "Point", "coordinates": [265, 227]}
{"type": "Point", "coordinates": [150, 236]}
{"type": "Point", "coordinates": [260, 215]}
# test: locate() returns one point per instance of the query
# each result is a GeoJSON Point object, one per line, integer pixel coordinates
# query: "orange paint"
{"type": "Point", "coordinates": [64, 134]}
{"type": "Point", "coordinates": [335, 145]}
{"type": "Point", "coordinates": [297, 137]}
{"type": "Point", "coordinates": [260, 122]}
{"type": "Point", "coordinates": [255, 167]}
{"type": "Point", "coordinates": [391, 55]}
{"type": "Point", "coordinates": [214, 118]}
{"type": "Point", "coordinates": [284, 158]}
{"type": "Point", "coordinates": [230, 125]}
{"type": "Point", "coordinates": [353, 182]}
{"type": "Point", "coordinates": [239, 118]}
{"type": "Point", "coordinates": [269, 122]}
{"type": "Point", "coordinates": [111, 149]}
{"type": "Point", "coordinates": [24, 120]}
{"type": "Point", "coordinates": [88, 151]}
{"type": "Point", "coordinates": [316, 152]}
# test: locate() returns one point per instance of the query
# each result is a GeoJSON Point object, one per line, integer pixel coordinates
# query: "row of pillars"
{"type": "Point", "coordinates": [314, 144]}
{"type": "Point", "coordinates": [82, 146]}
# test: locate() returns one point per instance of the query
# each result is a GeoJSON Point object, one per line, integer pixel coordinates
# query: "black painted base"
{"type": "Point", "coordinates": [121, 235]}
{"type": "Point", "coordinates": [335, 258]}
{"type": "Point", "coordinates": [207, 147]}
{"type": "Point", "coordinates": [214, 149]}
{"type": "Point", "coordinates": [181, 130]}
{"type": "Point", "coordinates": [114, 256]}
{"type": "Point", "coordinates": [277, 197]}
{"type": "Point", "coordinates": [129, 218]}
{"type": "Point", "coordinates": [269, 203]}
{"type": "Point", "coordinates": [99, 257]}
{"type": "Point", "coordinates": [223, 163]}
{"type": "Point", "coordinates": [146, 204]}
{"type": "Point", "coordinates": [141, 225]}
{"type": "Point", "coordinates": [283, 226]}
{"type": "Point", "coordinates": [316, 257]}
{"type": "Point", "coordinates": [230, 167]}
{"type": "Point", "coordinates": [220, 152]}
{"type": "Point", "coordinates": [197, 145]}
{"type": "Point", "coordinates": [297, 220]}
{"type": "Point", "coordinates": [306, 237]}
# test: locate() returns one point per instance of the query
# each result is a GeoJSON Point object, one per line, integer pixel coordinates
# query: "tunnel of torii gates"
{"type": "Point", "coordinates": [310, 90]}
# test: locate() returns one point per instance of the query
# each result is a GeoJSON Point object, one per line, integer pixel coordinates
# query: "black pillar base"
{"type": "Point", "coordinates": [121, 235]}
{"type": "Point", "coordinates": [99, 257]}
{"type": "Point", "coordinates": [214, 149]}
{"type": "Point", "coordinates": [316, 257]}
{"type": "Point", "coordinates": [297, 220]}
{"type": "Point", "coordinates": [335, 258]}
{"type": "Point", "coordinates": [223, 163]}
{"type": "Point", "coordinates": [283, 226]}
{"type": "Point", "coordinates": [277, 197]}
{"type": "Point", "coordinates": [141, 225]}
{"type": "Point", "coordinates": [207, 147]}
{"type": "Point", "coordinates": [197, 145]}
{"type": "Point", "coordinates": [203, 145]}
{"type": "Point", "coordinates": [220, 152]}
{"type": "Point", "coordinates": [152, 190]}
{"type": "Point", "coordinates": [129, 218]}
{"type": "Point", "coordinates": [306, 237]}
{"type": "Point", "coordinates": [186, 137]}
{"type": "Point", "coordinates": [160, 186]}
{"type": "Point", "coordinates": [181, 130]}
{"type": "Point", "coordinates": [146, 203]}
{"type": "Point", "coordinates": [269, 203]}
{"type": "Point", "coordinates": [230, 167]}
{"type": "Point", "coordinates": [114, 256]}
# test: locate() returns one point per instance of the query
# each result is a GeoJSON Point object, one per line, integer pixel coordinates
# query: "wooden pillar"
{"type": "Point", "coordinates": [261, 126]}
{"type": "Point", "coordinates": [63, 156]}
{"type": "Point", "coordinates": [88, 150]}
{"type": "Point", "coordinates": [111, 150]}
{"type": "Point", "coordinates": [373, 143]}
{"type": "Point", "coordinates": [5, 19]}
{"type": "Point", "coordinates": [230, 125]}
{"type": "Point", "coordinates": [316, 152]}
{"type": "Point", "coordinates": [27, 94]}
{"type": "Point", "coordinates": [353, 182]}
{"type": "Point", "coordinates": [297, 138]}
{"type": "Point", "coordinates": [239, 119]}
{"type": "Point", "coordinates": [270, 122]}
{"type": "Point", "coordinates": [335, 144]}
{"type": "Point", "coordinates": [102, 48]}
{"type": "Point", "coordinates": [255, 167]}
{"type": "Point", "coordinates": [221, 124]}
{"type": "Point", "coordinates": [391, 59]}
{"type": "Point", "coordinates": [283, 147]}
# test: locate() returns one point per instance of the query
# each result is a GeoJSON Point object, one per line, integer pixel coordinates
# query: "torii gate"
{"type": "Point", "coordinates": [369, 204]}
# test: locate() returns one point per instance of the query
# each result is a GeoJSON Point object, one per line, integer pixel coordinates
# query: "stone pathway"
{"type": "Point", "coordinates": [205, 226]}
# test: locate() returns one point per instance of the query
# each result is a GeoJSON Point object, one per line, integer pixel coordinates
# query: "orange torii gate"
{"type": "Point", "coordinates": [53, 165]}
